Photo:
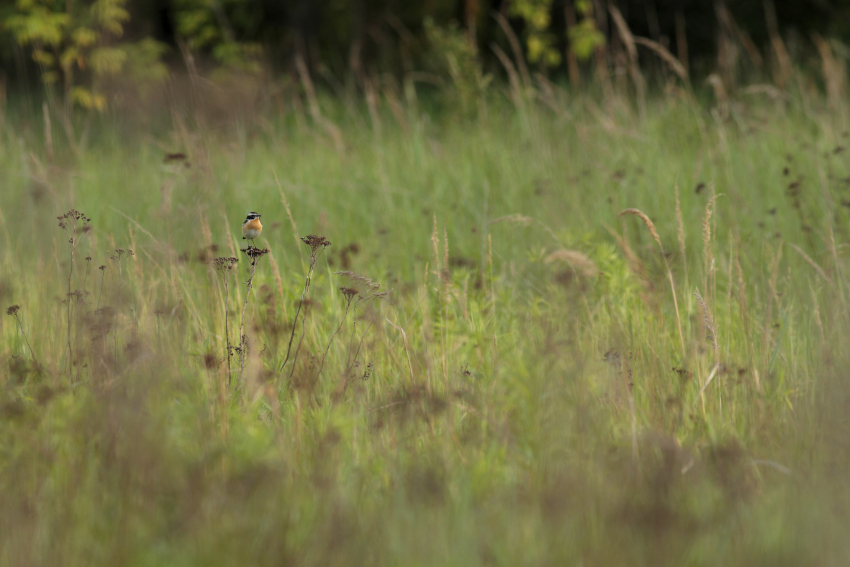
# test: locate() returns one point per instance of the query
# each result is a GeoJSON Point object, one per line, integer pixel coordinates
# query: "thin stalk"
{"type": "Point", "coordinates": [254, 254]}
{"type": "Point", "coordinates": [317, 244]}
{"type": "Point", "coordinates": [349, 295]}
{"type": "Point", "coordinates": [13, 311]}
{"type": "Point", "coordinates": [304, 293]}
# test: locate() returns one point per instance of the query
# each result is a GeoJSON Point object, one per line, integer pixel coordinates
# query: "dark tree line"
{"type": "Point", "coordinates": [374, 35]}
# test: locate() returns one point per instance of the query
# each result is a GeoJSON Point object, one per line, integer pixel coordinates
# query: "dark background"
{"type": "Point", "coordinates": [389, 35]}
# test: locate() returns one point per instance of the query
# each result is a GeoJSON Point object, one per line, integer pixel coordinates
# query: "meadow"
{"type": "Point", "coordinates": [489, 364]}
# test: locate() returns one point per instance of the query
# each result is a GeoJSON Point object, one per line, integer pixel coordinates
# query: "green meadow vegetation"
{"type": "Point", "coordinates": [522, 327]}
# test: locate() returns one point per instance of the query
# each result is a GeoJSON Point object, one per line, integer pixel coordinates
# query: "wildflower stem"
{"type": "Point", "coordinates": [328, 348]}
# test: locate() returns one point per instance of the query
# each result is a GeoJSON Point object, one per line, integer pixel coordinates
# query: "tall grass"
{"type": "Point", "coordinates": [542, 382]}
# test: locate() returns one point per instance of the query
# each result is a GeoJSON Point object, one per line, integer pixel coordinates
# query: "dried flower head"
{"type": "Point", "coordinates": [348, 293]}
{"type": "Point", "coordinates": [254, 252]}
{"type": "Point", "coordinates": [316, 244]}
{"type": "Point", "coordinates": [13, 310]}
{"type": "Point", "coordinates": [223, 263]}
{"type": "Point", "coordinates": [72, 217]}
{"type": "Point", "coordinates": [101, 267]}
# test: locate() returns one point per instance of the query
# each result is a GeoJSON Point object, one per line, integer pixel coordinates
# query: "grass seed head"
{"type": "Point", "coordinates": [577, 260]}
{"type": "Point", "coordinates": [368, 283]}
{"type": "Point", "coordinates": [646, 221]}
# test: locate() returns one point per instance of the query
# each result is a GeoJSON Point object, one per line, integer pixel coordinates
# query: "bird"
{"type": "Point", "coordinates": [252, 227]}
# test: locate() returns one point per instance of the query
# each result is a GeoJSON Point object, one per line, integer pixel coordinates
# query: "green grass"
{"type": "Point", "coordinates": [494, 425]}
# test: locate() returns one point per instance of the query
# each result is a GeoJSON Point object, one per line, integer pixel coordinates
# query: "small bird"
{"type": "Point", "coordinates": [252, 227]}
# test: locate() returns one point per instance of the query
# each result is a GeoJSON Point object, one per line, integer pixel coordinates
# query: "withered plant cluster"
{"type": "Point", "coordinates": [86, 326]}
{"type": "Point", "coordinates": [114, 316]}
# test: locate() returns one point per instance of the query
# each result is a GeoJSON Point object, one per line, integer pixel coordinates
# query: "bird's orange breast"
{"type": "Point", "coordinates": [253, 224]}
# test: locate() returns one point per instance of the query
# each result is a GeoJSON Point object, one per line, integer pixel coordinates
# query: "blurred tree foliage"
{"type": "Point", "coordinates": [77, 44]}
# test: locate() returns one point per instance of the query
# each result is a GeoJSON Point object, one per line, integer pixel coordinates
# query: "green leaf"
{"type": "Point", "coordinates": [107, 60]}
{"type": "Point", "coordinates": [84, 36]}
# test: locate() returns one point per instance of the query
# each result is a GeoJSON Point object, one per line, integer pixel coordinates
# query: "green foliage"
{"type": "Point", "coordinates": [540, 43]}
{"type": "Point", "coordinates": [585, 38]}
{"type": "Point", "coordinates": [451, 53]}
{"type": "Point", "coordinates": [76, 44]}
{"type": "Point", "coordinates": [214, 26]}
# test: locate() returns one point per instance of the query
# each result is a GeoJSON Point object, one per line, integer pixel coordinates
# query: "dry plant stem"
{"type": "Point", "coordinates": [300, 342]}
{"type": "Point", "coordinates": [317, 245]}
{"type": "Point", "coordinates": [304, 293]}
{"type": "Point", "coordinates": [328, 348]}
{"type": "Point", "coordinates": [14, 312]}
{"type": "Point", "coordinates": [226, 323]}
{"type": "Point", "coordinates": [227, 347]}
{"type": "Point", "coordinates": [70, 223]}
{"type": "Point", "coordinates": [117, 301]}
{"type": "Point", "coordinates": [250, 284]}
{"type": "Point", "coordinates": [350, 365]}
{"type": "Point", "coordinates": [100, 295]}
{"type": "Point", "coordinates": [224, 267]}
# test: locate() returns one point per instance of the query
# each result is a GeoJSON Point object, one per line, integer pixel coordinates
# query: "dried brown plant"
{"type": "Point", "coordinates": [12, 311]}
{"type": "Point", "coordinates": [317, 245]}
{"type": "Point", "coordinates": [75, 224]}
{"type": "Point", "coordinates": [255, 254]}
{"type": "Point", "coordinates": [363, 289]}
{"type": "Point", "coordinates": [224, 268]}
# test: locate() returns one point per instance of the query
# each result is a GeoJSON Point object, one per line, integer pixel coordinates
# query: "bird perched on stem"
{"type": "Point", "coordinates": [252, 227]}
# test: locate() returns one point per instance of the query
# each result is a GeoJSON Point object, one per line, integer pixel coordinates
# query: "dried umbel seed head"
{"type": "Point", "coordinates": [255, 253]}
{"type": "Point", "coordinates": [348, 293]}
{"type": "Point", "coordinates": [72, 217]}
{"type": "Point", "coordinates": [101, 267]}
{"type": "Point", "coordinates": [13, 310]}
{"type": "Point", "coordinates": [316, 244]}
{"type": "Point", "coordinates": [314, 241]}
{"type": "Point", "coordinates": [223, 263]}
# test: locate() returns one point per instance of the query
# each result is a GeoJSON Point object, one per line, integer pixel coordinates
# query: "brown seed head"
{"type": "Point", "coordinates": [223, 263]}
{"type": "Point", "coordinates": [646, 221]}
{"type": "Point", "coordinates": [13, 310]}
{"type": "Point", "coordinates": [253, 252]}
{"type": "Point", "coordinates": [315, 242]}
